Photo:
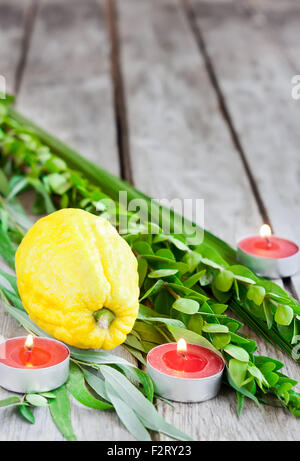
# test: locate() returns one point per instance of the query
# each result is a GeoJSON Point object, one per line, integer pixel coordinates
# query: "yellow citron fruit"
{"type": "Point", "coordinates": [73, 267]}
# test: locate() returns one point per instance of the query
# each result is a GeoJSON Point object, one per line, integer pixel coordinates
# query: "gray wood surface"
{"type": "Point", "coordinates": [181, 142]}
{"type": "Point", "coordinates": [257, 90]}
{"type": "Point", "coordinates": [66, 88]}
{"type": "Point", "coordinates": [181, 147]}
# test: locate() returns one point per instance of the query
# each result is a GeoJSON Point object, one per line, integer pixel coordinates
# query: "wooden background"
{"type": "Point", "coordinates": [183, 98]}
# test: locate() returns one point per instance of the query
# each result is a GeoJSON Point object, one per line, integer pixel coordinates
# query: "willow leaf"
{"type": "Point", "coordinates": [76, 386]}
{"type": "Point", "coordinates": [140, 405]}
{"type": "Point", "coordinates": [127, 415]}
{"type": "Point", "coordinates": [60, 411]}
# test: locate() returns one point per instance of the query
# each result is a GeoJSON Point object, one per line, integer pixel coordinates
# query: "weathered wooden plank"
{"type": "Point", "coordinates": [257, 90]}
{"type": "Point", "coordinates": [12, 18]}
{"type": "Point", "coordinates": [180, 146]}
{"type": "Point", "coordinates": [284, 25]}
{"type": "Point", "coordinates": [66, 88]}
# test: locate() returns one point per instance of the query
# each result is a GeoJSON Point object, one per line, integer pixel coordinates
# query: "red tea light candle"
{"type": "Point", "coordinates": [185, 372]}
{"type": "Point", "coordinates": [33, 364]}
{"type": "Point", "coordinates": [268, 255]}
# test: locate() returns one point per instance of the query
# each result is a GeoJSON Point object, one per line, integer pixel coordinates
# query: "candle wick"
{"type": "Point", "coordinates": [183, 355]}
{"type": "Point", "coordinates": [268, 242]}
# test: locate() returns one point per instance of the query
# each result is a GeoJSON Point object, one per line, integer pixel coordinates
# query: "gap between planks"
{"type": "Point", "coordinates": [122, 130]}
{"type": "Point", "coordinates": [29, 22]}
{"type": "Point", "coordinates": [225, 112]}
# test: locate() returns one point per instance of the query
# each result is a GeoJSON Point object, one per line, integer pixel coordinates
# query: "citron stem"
{"type": "Point", "coordinates": [104, 317]}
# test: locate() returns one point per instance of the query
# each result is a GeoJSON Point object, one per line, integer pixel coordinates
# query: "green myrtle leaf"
{"type": "Point", "coordinates": [192, 259]}
{"type": "Point", "coordinates": [256, 373]}
{"type": "Point", "coordinates": [238, 370]}
{"type": "Point", "coordinates": [27, 413]}
{"type": "Point", "coordinates": [153, 290]}
{"type": "Point", "coordinates": [57, 182]}
{"type": "Point", "coordinates": [60, 411]}
{"type": "Point", "coordinates": [242, 390]}
{"type": "Point", "coordinates": [284, 314]}
{"type": "Point", "coordinates": [256, 294]}
{"type": "Point", "coordinates": [220, 296]}
{"type": "Point", "coordinates": [187, 291]}
{"type": "Point", "coordinates": [175, 241]}
{"type": "Point", "coordinates": [242, 279]}
{"type": "Point", "coordinates": [36, 400]}
{"type": "Point", "coordinates": [237, 352]}
{"type": "Point", "coordinates": [215, 328]}
{"type": "Point", "coordinates": [261, 360]}
{"type": "Point", "coordinates": [219, 308]}
{"type": "Point", "coordinates": [268, 313]}
{"type": "Point", "coordinates": [162, 273]}
{"type": "Point", "coordinates": [55, 164]}
{"type": "Point", "coordinates": [267, 367]}
{"type": "Point", "coordinates": [143, 248]}
{"type": "Point", "coordinates": [165, 253]}
{"type": "Point", "coordinates": [212, 264]}
{"type": "Point", "coordinates": [284, 388]}
{"type": "Point", "coordinates": [142, 270]}
{"type": "Point", "coordinates": [272, 378]}
{"type": "Point", "coordinates": [224, 280]}
{"type": "Point", "coordinates": [220, 341]}
{"type": "Point", "coordinates": [207, 278]}
{"type": "Point", "coordinates": [185, 305]}
{"type": "Point", "coordinates": [191, 281]}
{"type": "Point", "coordinates": [196, 323]}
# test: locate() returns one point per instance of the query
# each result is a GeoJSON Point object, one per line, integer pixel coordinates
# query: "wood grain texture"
{"type": "Point", "coordinates": [180, 146]}
{"type": "Point", "coordinates": [180, 143]}
{"type": "Point", "coordinates": [257, 89]}
{"type": "Point", "coordinates": [12, 19]}
{"type": "Point", "coordinates": [66, 88]}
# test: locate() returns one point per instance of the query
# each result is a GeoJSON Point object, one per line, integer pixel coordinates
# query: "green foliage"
{"type": "Point", "coordinates": [224, 280]}
{"type": "Point", "coordinates": [187, 289]}
{"type": "Point", "coordinates": [284, 314]}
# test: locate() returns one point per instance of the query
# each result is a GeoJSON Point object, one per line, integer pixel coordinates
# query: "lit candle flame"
{"type": "Point", "coordinates": [265, 231]}
{"type": "Point", "coordinates": [29, 342]}
{"type": "Point", "coordinates": [181, 345]}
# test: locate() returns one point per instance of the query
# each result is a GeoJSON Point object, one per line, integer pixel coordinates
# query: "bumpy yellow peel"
{"type": "Point", "coordinates": [71, 264]}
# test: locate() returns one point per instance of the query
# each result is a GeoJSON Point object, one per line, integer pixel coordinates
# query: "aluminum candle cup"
{"type": "Point", "coordinates": [273, 257]}
{"type": "Point", "coordinates": [192, 376]}
{"type": "Point", "coordinates": [40, 368]}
